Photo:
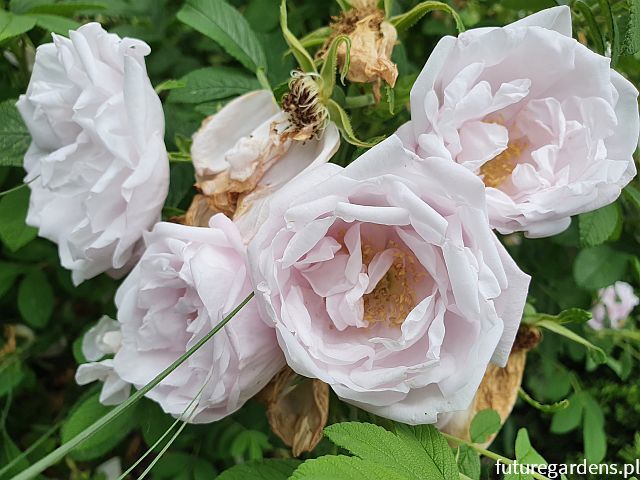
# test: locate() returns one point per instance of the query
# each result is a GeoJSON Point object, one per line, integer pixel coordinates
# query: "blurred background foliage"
{"type": "Point", "coordinates": [42, 316]}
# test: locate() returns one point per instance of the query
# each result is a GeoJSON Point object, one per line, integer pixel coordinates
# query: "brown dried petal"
{"type": "Point", "coordinates": [372, 42]}
{"type": "Point", "coordinates": [202, 208]}
{"type": "Point", "coordinates": [297, 408]}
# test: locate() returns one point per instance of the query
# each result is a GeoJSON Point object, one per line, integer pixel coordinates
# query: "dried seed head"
{"type": "Point", "coordinates": [372, 41]}
{"type": "Point", "coordinates": [308, 116]}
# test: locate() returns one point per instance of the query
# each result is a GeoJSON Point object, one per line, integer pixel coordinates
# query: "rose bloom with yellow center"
{"type": "Point", "coordinates": [384, 280]}
{"type": "Point", "coordinates": [545, 122]}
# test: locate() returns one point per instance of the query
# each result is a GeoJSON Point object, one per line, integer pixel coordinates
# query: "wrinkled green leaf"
{"type": "Point", "coordinates": [468, 462]}
{"type": "Point", "coordinates": [598, 226]}
{"type": "Point", "coordinates": [14, 136]}
{"type": "Point", "coordinates": [213, 83]}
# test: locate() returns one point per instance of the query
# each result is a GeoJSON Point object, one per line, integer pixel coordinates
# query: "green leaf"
{"type": "Point", "coordinates": [468, 462]}
{"type": "Point", "coordinates": [525, 453]}
{"type": "Point", "coordinates": [87, 411]}
{"type": "Point", "coordinates": [413, 452]}
{"type": "Point", "coordinates": [599, 267]}
{"type": "Point", "coordinates": [631, 193]}
{"type": "Point", "coordinates": [485, 423]}
{"type": "Point", "coordinates": [12, 25]}
{"type": "Point", "coordinates": [9, 451]}
{"type": "Point", "coordinates": [408, 19]}
{"type": "Point", "coordinates": [35, 299]}
{"type": "Point", "coordinates": [305, 61]}
{"type": "Point", "coordinates": [344, 468]}
{"type": "Point", "coordinates": [600, 225]}
{"type": "Point", "coordinates": [272, 469]}
{"type": "Point", "coordinates": [14, 233]}
{"type": "Point", "coordinates": [570, 418]}
{"type": "Point", "coordinates": [153, 422]}
{"type": "Point", "coordinates": [632, 39]}
{"type": "Point", "coordinates": [571, 315]}
{"type": "Point", "coordinates": [11, 374]}
{"type": "Point", "coordinates": [598, 355]}
{"type": "Point", "coordinates": [213, 83]}
{"type": "Point", "coordinates": [169, 85]}
{"type": "Point", "coordinates": [595, 34]}
{"type": "Point", "coordinates": [14, 136]}
{"type": "Point", "coordinates": [181, 466]}
{"type": "Point", "coordinates": [328, 71]}
{"type": "Point", "coordinates": [432, 450]}
{"type": "Point", "coordinates": [593, 434]}
{"type": "Point", "coordinates": [54, 23]}
{"type": "Point", "coordinates": [64, 8]}
{"type": "Point", "coordinates": [8, 274]}
{"type": "Point", "coordinates": [614, 33]}
{"type": "Point", "coordinates": [250, 444]}
{"type": "Point", "coordinates": [342, 121]}
{"type": "Point", "coordinates": [225, 25]}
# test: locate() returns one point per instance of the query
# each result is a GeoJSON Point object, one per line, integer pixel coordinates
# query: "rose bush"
{"type": "Point", "coordinates": [543, 120]}
{"type": "Point", "coordinates": [186, 281]}
{"type": "Point", "coordinates": [385, 283]}
{"type": "Point", "coordinates": [97, 166]}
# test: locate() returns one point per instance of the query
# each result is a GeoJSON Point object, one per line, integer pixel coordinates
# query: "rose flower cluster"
{"type": "Point", "coordinates": [383, 279]}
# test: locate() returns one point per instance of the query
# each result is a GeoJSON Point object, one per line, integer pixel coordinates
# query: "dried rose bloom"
{"type": "Point", "coordinates": [372, 41]}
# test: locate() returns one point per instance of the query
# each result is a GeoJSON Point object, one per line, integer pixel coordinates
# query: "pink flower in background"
{"type": "Point", "coordinates": [615, 304]}
{"type": "Point", "coordinates": [187, 280]}
{"type": "Point", "coordinates": [97, 166]}
{"type": "Point", "coordinates": [387, 283]}
{"type": "Point", "coordinates": [543, 120]}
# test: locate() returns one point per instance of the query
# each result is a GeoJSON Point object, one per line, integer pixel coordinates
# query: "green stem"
{"type": "Point", "coordinates": [486, 453]}
{"type": "Point", "coordinates": [65, 448]}
{"type": "Point", "coordinates": [463, 476]}
{"type": "Point", "coordinates": [18, 187]}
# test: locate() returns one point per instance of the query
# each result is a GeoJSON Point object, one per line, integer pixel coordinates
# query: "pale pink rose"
{"type": "Point", "coordinates": [615, 304]}
{"type": "Point", "coordinates": [543, 120]}
{"type": "Point", "coordinates": [97, 165]}
{"type": "Point", "coordinates": [244, 147]}
{"type": "Point", "coordinates": [102, 340]}
{"type": "Point", "coordinates": [187, 280]}
{"type": "Point", "coordinates": [384, 280]}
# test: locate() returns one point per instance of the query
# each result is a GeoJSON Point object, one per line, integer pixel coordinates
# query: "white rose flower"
{"type": "Point", "coordinates": [101, 340]}
{"type": "Point", "coordinates": [543, 120]}
{"type": "Point", "coordinates": [97, 166]}
{"type": "Point", "coordinates": [187, 280]}
{"type": "Point", "coordinates": [384, 280]}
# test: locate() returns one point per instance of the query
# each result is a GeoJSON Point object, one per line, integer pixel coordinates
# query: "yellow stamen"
{"type": "Point", "coordinates": [394, 296]}
{"type": "Point", "coordinates": [499, 168]}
